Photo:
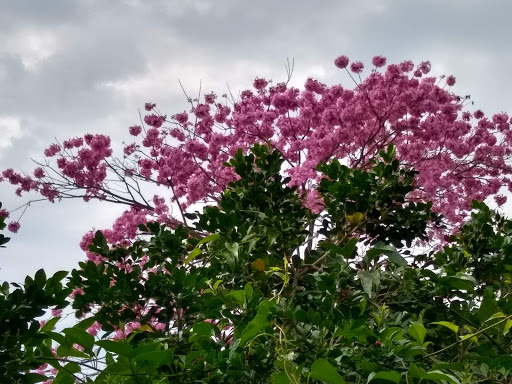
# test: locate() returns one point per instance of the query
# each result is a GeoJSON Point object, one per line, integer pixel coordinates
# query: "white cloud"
{"type": "Point", "coordinates": [10, 129]}
{"type": "Point", "coordinates": [33, 47]}
{"type": "Point", "coordinates": [162, 79]}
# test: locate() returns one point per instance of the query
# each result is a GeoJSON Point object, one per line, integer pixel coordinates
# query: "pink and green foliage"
{"type": "Point", "coordinates": [301, 269]}
{"type": "Point", "coordinates": [460, 156]}
{"type": "Point", "coordinates": [257, 301]}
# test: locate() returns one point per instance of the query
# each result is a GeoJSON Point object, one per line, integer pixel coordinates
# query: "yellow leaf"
{"type": "Point", "coordinates": [508, 324]}
{"type": "Point", "coordinates": [258, 264]}
{"type": "Point", "coordinates": [358, 217]}
{"type": "Point", "coordinates": [355, 218]}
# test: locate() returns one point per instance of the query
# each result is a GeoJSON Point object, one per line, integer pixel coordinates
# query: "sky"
{"type": "Point", "coordinates": [88, 66]}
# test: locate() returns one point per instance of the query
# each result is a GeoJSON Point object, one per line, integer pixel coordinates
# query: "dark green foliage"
{"type": "Point", "coordinates": [21, 343]}
{"type": "Point", "coordinates": [380, 195]}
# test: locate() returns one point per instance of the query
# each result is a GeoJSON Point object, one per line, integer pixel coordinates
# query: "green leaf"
{"type": "Point", "coordinates": [40, 278]}
{"type": "Point", "coordinates": [64, 377]}
{"type": "Point", "coordinates": [48, 327]}
{"type": "Point", "coordinates": [157, 357]}
{"type": "Point", "coordinates": [58, 276]}
{"type": "Point", "coordinates": [195, 252]}
{"type": "Point", "coordinates": [504, 361]}
{"type": "Point", "coordinates": [248, 291]}
{"type": "Point", "coordinates": [70, 351]}
{"type": "Point", "coordinates": [462, 281]}
{"type": "Point", "coordinates": [415, 371]}
{"type": "Point", "coordinates": [324, 371]}
{"type": "Point", "coordinates": [233, 248]}
{"type": "Point", "coordinates": [216, 284]}
{"type": "Point", "coordinates": [367, 280]}
{"type": "Point", "coordinates": [392, 376]}
{"type": "Point", "coordinates": [80, 337]}
{"type": "Point", "coordinates": [273, 234]}
{"type": "Point", "coordinates": [447, 324]}
{"type": "Point", "coordinates": [85, 324]}
{"type": "Point", "coordinates": [209, 238]}
{"type": "Point", "coordinates": [418, 331]}
{"type": "Point", "coordinates": [281, 378]}
{"type": "Point", "coordinates": [439, 376]}
{"type": "Point", "coordinates": [488, 306]}
{"type": "Point", "coordinates": [397, 259]}
{"type": "Point", "coordinates": [30, 378]}
{"type": "Point", "coordinates": [202, 330]}
{"type": "Point", "coordinates": [383, 249]}
{"type": "Point", "coordinates": [349, 248]}
{"type": "Point", "coordinates": [238, 296]}
{"type": "Point", "coordinates": [254, 327]}
{"type": "Point", "coordinates": [393, 333]}
{"type": "Point", "coordinates": [59, 338]}
{"type": "Point", "coordinates": [72, 367]}
{"type": "Point", "coordinates": [119, 347]}
{"type": "Point", "coordinates": [264, 307]}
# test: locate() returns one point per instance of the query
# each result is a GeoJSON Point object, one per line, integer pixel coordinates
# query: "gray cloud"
{"type": "Point", "coordinates": [77, 66]}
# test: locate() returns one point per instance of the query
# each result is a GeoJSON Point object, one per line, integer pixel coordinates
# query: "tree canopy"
{"type": "Point", "coordinates": [342, 238]}
{"type": "Point", "coordinates": [266, 297]}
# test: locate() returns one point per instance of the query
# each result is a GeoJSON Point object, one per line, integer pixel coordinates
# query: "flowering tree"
{"type": "Point", "coordinates": [300, 267]}
{"type": "Point", "coordinates": [241, 306]}
{"type": "Point", "coordinates": [459, 156]}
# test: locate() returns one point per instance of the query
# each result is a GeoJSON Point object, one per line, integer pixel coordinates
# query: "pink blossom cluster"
{"type": "Point", "coordinates": [460, 155]}
{"type": "Point", "coordinates": [80, 166]}
{"type": "Point", "coordinates": [94, 328]}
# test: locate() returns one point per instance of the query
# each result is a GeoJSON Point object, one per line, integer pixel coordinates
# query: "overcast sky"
{"type": "Point", "coordinates": [69, 67]}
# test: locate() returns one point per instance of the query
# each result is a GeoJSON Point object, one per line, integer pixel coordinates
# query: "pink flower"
{"type": "Point", "coordinates": [424, 67]}
{"type": "Point", "coordinates": [13, 226]}
{"type": "Point", "coordinates": [149, 106]}
{"type": "Point", "coordinates": [450, 80]}
{"type": "Point", "coordinates": [4, 213]}
{"type": "Point", "coordinates": [56, 312]}
{"type": "Point", "coordinates": [94, 328]}
{"type": "Point", "coordinates": [76, 291]}
{"type": "Point", "coordinates": [151, 138]}
{"type": "Point", "coordinates": [39, 172]}
{"type": "Point", "coordinates": [357, 67]}
{"type": "Point", "coordinates": [341, 62]}
{"type": "Point", "coordinates": [209, 98]}
{"type": "Point", "coordinates": [407, 66]}
{"type": "Point", "coordinates": [202, 110]}
{"type": "Point", "coordinates": [73, 143]}
{"type": "Point", "coordinates": [135, 130]}
{"type": "Point", "coordinates": [478, 114]}
{"type": "Point", "coordinates": [130, 149]}
{"type": "Point", "coordinates": [181, 118]}
{"type": "Point", "coordinates": [500, 200]}
{"type": "Point", "coordinates": [49, 192]}
{"type": "Point", "coordinates": [197, 149]}
{"type": "Point", "coordinates": [52, 150]}
{"type": "Point", "coordinates": [154, 120]}
{"type": "Point", "coordinates": [259, 83]}
{"type": "Point", "coordinates": [379, 61]}
{"type": "Point", "coordinates": [314, 201]}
